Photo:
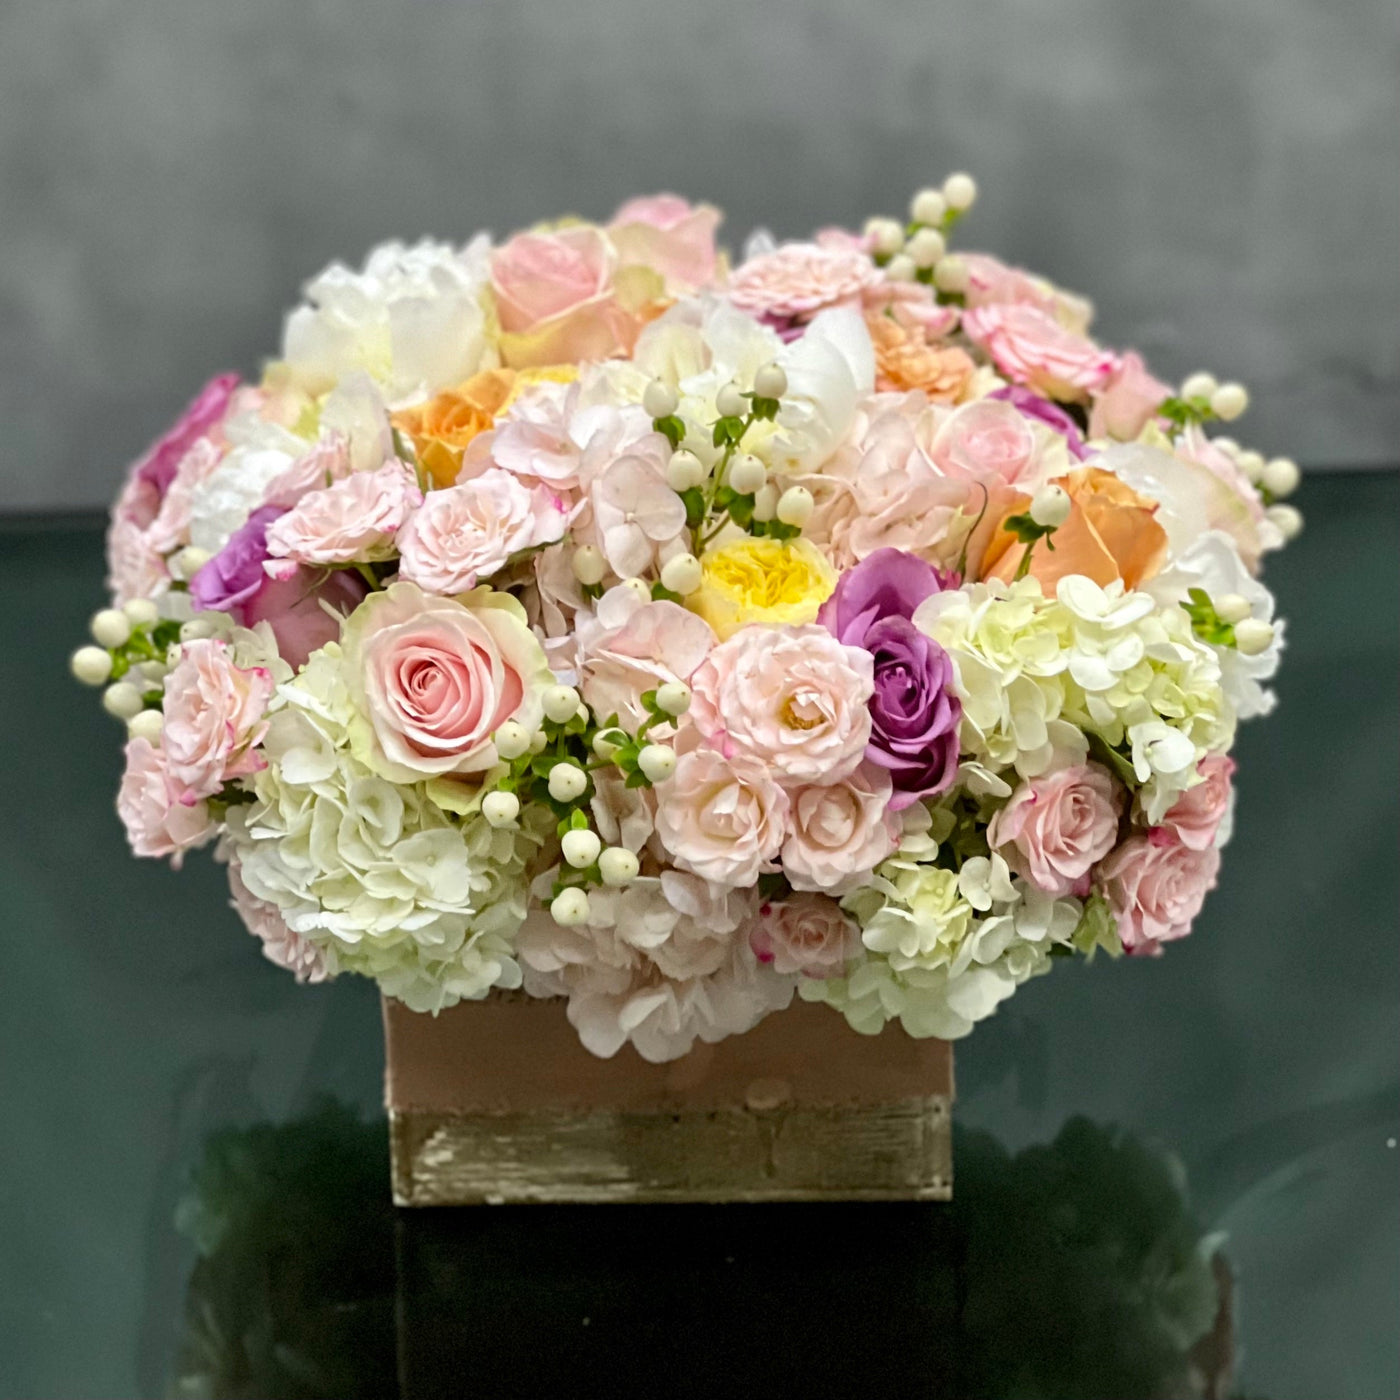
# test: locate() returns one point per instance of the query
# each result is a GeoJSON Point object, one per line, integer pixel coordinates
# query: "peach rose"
{"type": "Point", "coordinates": [1057, 826]}
{"type": "Point", "coordinates": [443, 427]}
{"type": "Point", "coordinates": [1030, 347]}
{"type": "Point", "coordinates": [1111, 533]}
{"type": "Point", "coordinates": [1155, 892]}
{"type": "Point", "coordinates": [467, 532]}
{"type": "Point", "coordinates": [1195, 819]}
{"type": "Point", "coordinates": [904, 360]}
{"type": "Point", "coordinates": [723, 819]}
{"type": "Point", "coordinates": [213, 719]}
{"type": "Point", "coordinates": [157, 822]}
{"type": "Point", "coordinates": [556, 298]}
{"type": "Point", "coordinates": [794, 698]}
{"type": "Point", "coordinates": [434, 678]}
{"type": "Point", "coordinates": [839, 832]}
{"type": "Point", "coordinates": [670, 235]}
{"type": "Point", "coordinates": [807, 934]}
{"type": "Point", "coordinates": [352, 520]}
{"type": "Point", "coordinates": [1127, 402]}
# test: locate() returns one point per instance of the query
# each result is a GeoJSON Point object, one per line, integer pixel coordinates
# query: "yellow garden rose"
{"type": "Point", "coordinates": [761, 580]}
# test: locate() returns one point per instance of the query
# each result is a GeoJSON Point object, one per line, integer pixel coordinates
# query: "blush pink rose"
{"type": "Point", "coordinates": [157, 822]}
{"type": "Point", "coordinates": [670, 235]}
{"type": "Point", "coordinates": [807, 934]}
{"type": "Point", "coordinates": [1127, 402]}
{"type": "Point", "coordinates": [327, 462]}
{"type": "Point", "coordinates": [839, 832]}
{"type": "Point", "coordinates": [1196, 817]}
{"type": "Point", "coordinates": [203, 415]}
{"type": "Point", "coordinates": [467, 532]}
{"type": "Point", "coordinates": [436, 677]}
{"type": "Point", "coordinates": [1057, 826]}
{"type": "Point", "coordinates": [991, 282]}
{"type": "Point", "coordinates": [723, 819]}
{"type": "Point", "coordinates": [1030, 347]}
{"type": "Point", "coordinates": [305, 611]}
{"type": "Point", "coordinates": [349, 521]}
{"type": "Point", "coordinates": [1155, 892]}
{"type": "Point", "coordinates": [988, 438]}
{"type": "Point", "coordinates": [794, 282]}
{"type": "Point", "coordinates": [280, 944]}
{"type": "Point", "coordinates": [556, 300]}
{"type": "Point", "coordinates": [213, 719]}
{"type": "Point", "coordinates": [794, 698]}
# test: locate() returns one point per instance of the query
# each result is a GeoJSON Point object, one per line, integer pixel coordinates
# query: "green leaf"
{"type": "Point", "coordinates": [577, 820]}
{"type": "Point", "coordinates": [637, 779]}
{"type": "Point", "coordinates": [661, 594]}
{"type": "Point", "coordinates": [649, 701]}
{"type": "Point", "coordinates": [672, 427]}
{"type": "Point", "coordinates": [1111, 758]}
{"type": "Point", "coordinates": [694, 500]}
{"type": "Point", "coordinates": [773, 887]}
{"type": "Point", "coordinates": [741, 510]}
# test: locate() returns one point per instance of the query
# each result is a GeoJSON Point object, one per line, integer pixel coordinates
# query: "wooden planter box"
{"type": "Point", "coordinates": [497, 1102]}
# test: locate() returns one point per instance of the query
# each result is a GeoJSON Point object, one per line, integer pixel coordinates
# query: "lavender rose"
{"type": "Point", "coordinates": [235, 573]}
{"type": "Point", "coordinates": [914, 713]}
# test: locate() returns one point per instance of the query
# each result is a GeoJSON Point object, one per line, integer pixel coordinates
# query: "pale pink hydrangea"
{"type": "Point", "coordinates": [157, 821]}
{"type": "Point", "coordinates": [1030, 347]}
{"type": "Point", "coordinates": [793, 698]}
{"type": "Point", "coordinates": [797, 280]}
{"type": "Point", "coordinates": [280, 945]}
{"type": "Point", "coordinates": [353, 520]}
{"type": "Point", "coordinates": [807, 935]}
{"type": "Point", "coordinates": [1155, 892]}
{"type": "Point", "coordinates": [839, 832]}
{"type": "Point", "coordinates": [1196, 818]}
{"type": "Point", "coordinates": [635, 515]}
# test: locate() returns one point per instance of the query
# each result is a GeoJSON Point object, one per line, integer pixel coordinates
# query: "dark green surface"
{"type": "Point", "coordinates": [138, 1021]}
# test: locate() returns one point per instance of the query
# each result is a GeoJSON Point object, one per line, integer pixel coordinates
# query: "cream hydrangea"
{"type": "Point", "coordinates": [376, 873]}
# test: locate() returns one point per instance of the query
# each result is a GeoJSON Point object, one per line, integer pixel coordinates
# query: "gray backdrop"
{"type": "Point", "coordinates": [1220, 175]}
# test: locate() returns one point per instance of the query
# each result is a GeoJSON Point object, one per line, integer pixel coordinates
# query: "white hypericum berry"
{"type": "Point", "coordinates": [141, 612]}
{"type": "Point", "coordinates": [960, 190]}
{"type": "Point", "coordinates": [659, 399]}
{"type": "Point", "coordinates": [795, 506]}
{"type": "Point", "coordinates": [580, 848]}
{"type": "Point", "coordinates": [682, 574]}
{"type": "Point", "coordinates": [685, 470]}
{"type": "Point", "coordinates": [617, 865]}
{"type": "Point", "coordinates": [771, 382]}
{"type": "Point", "coordinates": [765, 503]}
{"type": "Point", "coordinates": [1252, 636]}
{"type": "Point", "coordinates": [539, 741]}
{"type": "Point", "coordinates": [1050, 506]}
{"type": "Point", "coordinates": [189, 561]}
{"type": "Point", "coordinates": [1281, 476]}
{"type": "Point", "coordinates": [122, 700]}
{"type": "Point", "coordinates": [500, 808]}
{"type": "Point", "coordinates": [901, 268]}
{"type": "Point", "coordinates": [512, 740]}
{"type": "Point", "coordinates": [110, 628]}
{"type": "Point", "coordinates": [927, 247]}
{"type": "Point", "coordinates": [928, 207]}
{"type": "Point", "coordinates": [731, 402]}
{"type": "Point", "coordinates": [886, 239]}
{"type": "Point", "coordinates": [90, 665]}
{"type": "Point", "coordinates": [570, 907]}
{"type": "Point", "coordinates": [1252, 464]}
{"type": "Point", "coordinates": [567, 782]}
{"type": "Point", "coordinates": [589, 565]}
{"type": "Point", "coordinates": [1232, 608]}
{"type": "Point", "coordinates": [1286, 519]}
{"type": "Point", "coordinates": [604, 746]}
{"type": "Point", "coordinates": [197, 629]}
{"type": "Point", "coordinates": [1229, 401]}
{"type": "Point", "coordinates": [747, 474]}
{"type": "Point", "coordinates": [950, 275]}
{"type": "Point", "coordinates": [147, 725]}
{"type": "Point", "coordinates": [673, 698]}
{"type": "Point", "coordinates": [1199, 385]}
{"type": "Point", "coordinates": [560, 703]}
{"type": "Point", "coordinates": [639, 586]}
{"type": "Point", "coordinates": [657, 761]}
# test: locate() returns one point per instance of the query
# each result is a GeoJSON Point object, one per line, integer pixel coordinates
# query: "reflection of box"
{"type": "Point", "coordinates": [497, 1101]}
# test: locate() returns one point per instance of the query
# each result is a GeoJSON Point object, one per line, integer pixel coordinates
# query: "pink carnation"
{"type": "Point", "coordinates": [796, 281]}
{"type": "Point", "coordinates": [352, 520]}
{"type": "Point", "coordinates": [1156, 891]}
{"type": "Point", "coordinates": [157, 822]}
{"type": "Point", "coordinates": [1199, 811]}
{"type": "Point", "coordinates": [1030, 347]}
{"type": "Point", "coordinates": [839, 832]}
{"type": "Point", "coordinates": [807, 934]}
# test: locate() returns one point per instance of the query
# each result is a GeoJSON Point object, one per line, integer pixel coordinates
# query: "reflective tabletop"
{"type": "Point", "coordinates": [1172, 1178]}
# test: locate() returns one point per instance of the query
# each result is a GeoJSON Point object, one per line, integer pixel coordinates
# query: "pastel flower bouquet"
{"type": "Point", "coordinates": [588, 616]}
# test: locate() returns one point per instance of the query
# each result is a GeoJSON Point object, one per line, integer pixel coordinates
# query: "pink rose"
{"type": "Point", "coordinates": [1156, 891]}
{"type": "Point", "coordinates": [807, 934]}
{"type": "Point", "coordinates": [351, 520]}
{"type": "Point", "coordinates": [470, 531]}
{"type": "Point", "coordinates": [988, 438]}
{"type": "Point", "coordinates": [670, 235]}
{"type": "Point", "coordinates": [839, 832]}
{"type": "Point", "coordinates": [204, 414]}
{"type": "Point", "coordinates": [170, 530]}
{"type": "Point", "coordinates": [213, 719]}
{"type": "Point", "coordinates": [722, 819]}
{"type": "Point", "coordinates": [556, 301]}
{"type": "Point", "coordinates": [794, 698]}
{"type": "Point", "coordinates": [280, 945]}
{"type": "Point", "coordinates": [1030, 347]}
{"type": "Point", "coordinates": [327, 462]}
{"type": "Point", "coordinates": [305, 610]}
{"type": "Point", "coordinates": [1126, 403]}
{"type": "Point", "coordinates": [991, 282]}
{"type": "Point", "coordinates": [436, 677]}
{"type": "Point", "coordinates": [794, 282]}
{"type": "Point", "coordinates": [157, 822]}
{"type": "Point", "coordinates": [1195, 819]}
{"type": "Point", "coordinates": [1055, 827]}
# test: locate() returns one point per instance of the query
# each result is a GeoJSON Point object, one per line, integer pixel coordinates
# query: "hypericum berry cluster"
{"type": "Point", "coordinates": [1228, 621]}
{"type": "Point", "coordinates": [918, 251]}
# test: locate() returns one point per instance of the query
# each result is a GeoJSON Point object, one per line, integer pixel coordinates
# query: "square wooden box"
{"type": "Point", "coordinates": [497, 1102]}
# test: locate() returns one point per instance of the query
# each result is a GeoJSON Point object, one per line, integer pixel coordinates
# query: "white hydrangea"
{"type": "Point", "coordinates": [259, 453]}
{"type": "Point", "coordinates": [413, 319]}
{"type": "Point", "coordinates": [1108, 661]}
{"type": "Point", "coordinates": [377, 873]}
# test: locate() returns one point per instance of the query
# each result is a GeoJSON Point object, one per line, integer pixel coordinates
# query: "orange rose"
{"type": "Point", "coordinates": [1111, 534]}
{"type": "Point", "coordinates": [904, 360]}
{"type": "Point", "coordinates": [442, 427]}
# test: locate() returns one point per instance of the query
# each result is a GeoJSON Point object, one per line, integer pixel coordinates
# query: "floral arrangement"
{"type": "Point", "coordinates": [587, 615]}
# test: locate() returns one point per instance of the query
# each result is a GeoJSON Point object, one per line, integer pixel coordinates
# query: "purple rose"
{"type": "Point", "coordinates": [1043, 411]}
{"type": "Point", "coordinates": [205, 412]}
{"type": "Point", "coordinates": [914, 713]}
{"type": "Point", "coordinates": [236, 573]}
